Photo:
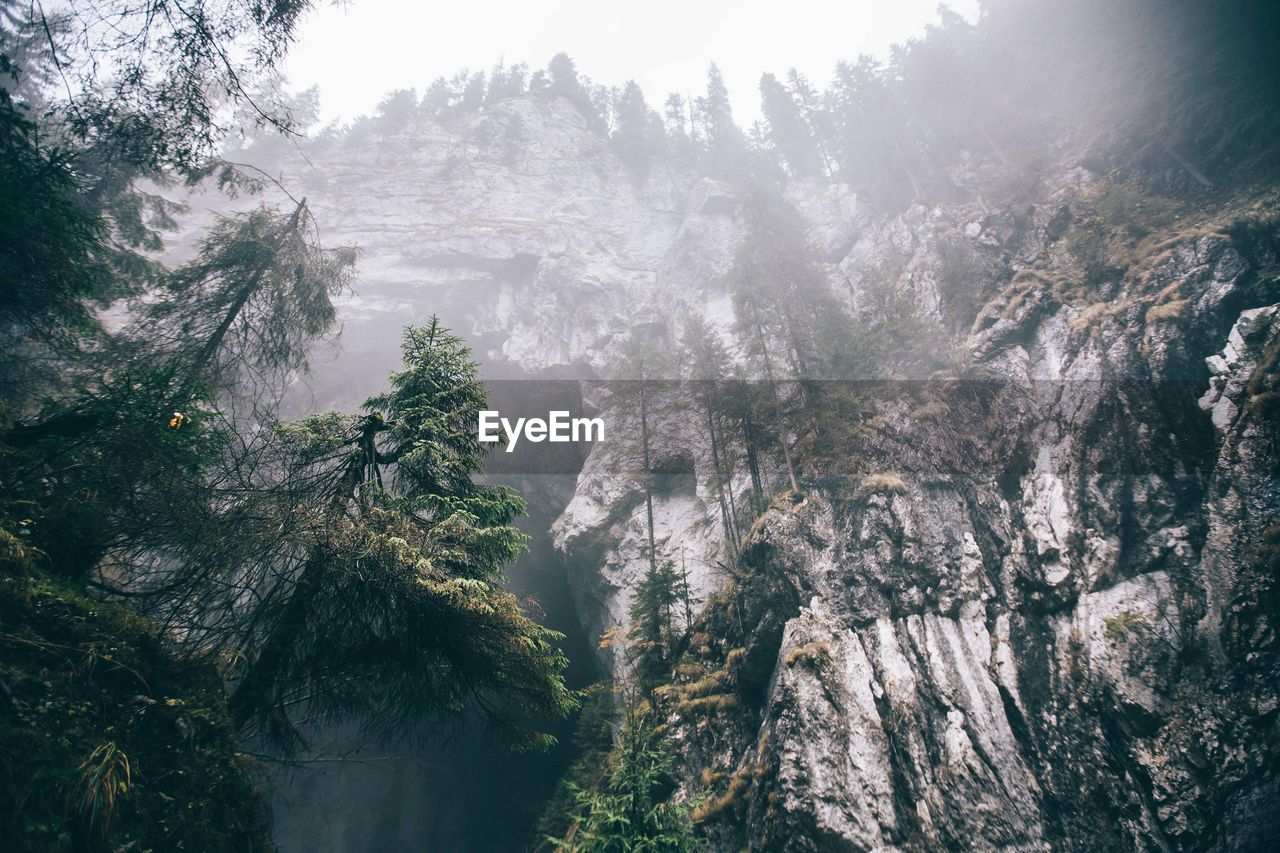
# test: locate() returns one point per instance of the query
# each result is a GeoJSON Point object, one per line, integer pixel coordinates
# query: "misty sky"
{"type": "Point", "coordinates": [358, 52]}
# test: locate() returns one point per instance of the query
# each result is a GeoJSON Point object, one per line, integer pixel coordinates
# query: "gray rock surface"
{"type": "Point", "coordinates": [1054, 636]}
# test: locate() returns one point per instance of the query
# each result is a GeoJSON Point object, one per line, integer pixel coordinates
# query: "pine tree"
{"type": "Point", "coordinates": [632, 812]}
{"type": "Point", "coordinates": [726, 146]}
{"type": "Point", "coordinates": [638, 388]}
{"type": "Point", "coordinates": [258, 292]}
{"type": "Point", "coordinates": [743, 402]}
{"type": "Point", "coordinates": [563, 81]}
{"type": "Point", "coordinates": [473, 94]}
{"type": "Point", "coordinates": [788, 321]}
{"type": "Point", "coordinates": [378, 579]}
{"type": "Point", "coordinates": [653, 633]}
{"type": "Point", "coordinates": [709, 367]}
{"type": "Point", "coordinates": [676, 124]}
{"type": "Point", "coordinates": [722, 132]}
{"type": "Point", "coordinates": [563, 76]}
{"type": "Point", "coordinates": [395, 111]}
{"type": "Point", "coordinates": [876, 144]}
{"type": "Point", "coordinates": [788, 130]}
{"type": "Point", "coordinates": [506, 82]}
{"type": "Point", "coordinates": [814, 114]}
{"type": "Point", "coordinates": [437, 99]}
{"type": "Point", "coordinates": [633, 130]}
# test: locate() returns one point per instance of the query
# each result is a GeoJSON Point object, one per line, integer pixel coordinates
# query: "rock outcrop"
{"type": "Point", "coordinates": [1041, 619]}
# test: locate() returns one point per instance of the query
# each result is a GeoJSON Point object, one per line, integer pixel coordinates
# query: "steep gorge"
{"type": "Point", "coordinates": [1041, 614]}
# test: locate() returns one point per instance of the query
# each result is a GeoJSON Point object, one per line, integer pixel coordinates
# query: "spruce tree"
{"type": "Point", "coordinates": [709, 367]}
{"type": "Point", "coordinates": [726, 146]}
{"type": "Point", "coordinates": [563, 81]}
{"type": "Point", "coordinates": [814, 114]}
{"type": "Point", "coordinates": [677, 126]}
{"type": "Point", "coordinates": [662, 594]}
{"type": "Point", "coordinates": [638, 391]}
{"type": "Point", "coordinates": [632, 811]}
{"type": "Point", "coordinates": [246, 308]}
{"type": "Point", "coordinates": [377, 569]}
{"type": "Point", "coordinates": [633, 134]}
{"type": "Point", "coordinates": [788, 130]}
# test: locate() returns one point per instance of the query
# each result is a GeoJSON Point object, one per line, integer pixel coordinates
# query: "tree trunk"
{"type": "Point", "coordinates": [210, 349]}
{"type": "Point", "coordinates": [648, 487]}
{"type": "Point", "coordinates": [730, 525]}
{"type": "Point", "coordinates": [777, 407]}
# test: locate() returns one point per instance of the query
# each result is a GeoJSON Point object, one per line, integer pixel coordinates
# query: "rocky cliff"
{"type": "Point", "coordinates": [1051, 626]}
{"type": "Point", "coordinates": [1041, 616]}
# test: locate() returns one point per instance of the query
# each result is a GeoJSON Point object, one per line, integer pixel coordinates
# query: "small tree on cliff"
{"type": "Point", "coordinates": [635, 130]}
{"type": "Point", "coordinates": [638, 387]}
{"type": "Point", "coordinates": [632, 812]}
{"type": "Point", "coordinates": [709, 366]}
{"type": "Point", "coordinates": [654, 602]}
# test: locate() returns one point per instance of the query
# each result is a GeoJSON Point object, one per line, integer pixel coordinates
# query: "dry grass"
{"type": "Point", "coordinates": [811, 655]}
{"type": "Point", "coordinates": [1091, 315]}
{"type": "Point", "coordinates": [930, 410]}
{"type": "Point", "coordinates": [716, 703]}
{"type": "Point", "coordinates": [1168, 311]}
{"type": "Point", "coordinates": [105, 777]}
{"type": "Point", "coordinates": [714, 808]}
{"type": "Point", "coordinates": [884, 483]}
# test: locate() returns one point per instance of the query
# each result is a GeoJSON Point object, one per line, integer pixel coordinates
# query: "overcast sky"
{"type": "Point", "coordinates": [358, 52]}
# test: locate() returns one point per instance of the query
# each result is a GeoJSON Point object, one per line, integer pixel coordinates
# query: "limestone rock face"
{"type": "Point", "coordinates": [1051, 636]}
{"type": "Point", "coordinates": [1055, 634]}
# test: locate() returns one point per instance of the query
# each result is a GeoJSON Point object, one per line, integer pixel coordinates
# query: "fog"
{"type": "Point", "coordinates": [664, 46]}
{"type": "Point", "coordinates": [934, 357]}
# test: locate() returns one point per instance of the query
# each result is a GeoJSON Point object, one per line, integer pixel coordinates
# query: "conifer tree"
{"type": "Point", "coordinates": [395, 111]}
{"type": "Point", "coordinates": [814, 114]}
{"type": "Point", "coordinates": [633, 134]}
{"type": "Point", "coordinates": [506, 82]}
{"type": "Point", "coordinates": [473, 94]}
{"type": "Point", "coordinates": [790, 324]}
{"type": "Point", "coordinates": [563, 81]}
{"type": "Point", "coordinates": [632, 812]}
{"type": "Point", "coordinates": [638, 391]}
{"type": "Point", "coordinates": [653, 610]}
{"type": "Point", "coordinates": [677, 126]}
{"type": "Point", "coordinates": [709, 367]}
{"type": "Point", "coordinates": [726, 146]}
{"type": "Point", "coordinates": [437, 99]}
{"type": "Point", "coordinates": [258, 292]}
{"type": "Point", "coordinates": [787, 129]}
{"type": "Point", "coordinates": [376, 568]}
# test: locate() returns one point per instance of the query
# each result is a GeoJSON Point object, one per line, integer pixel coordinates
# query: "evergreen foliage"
{"type": "Point", "coordinates": [257, 294]}
{"type": "Point", "coordinates": [637, 134]}
{"type": "Point", "coordinates": [788, 130]}
{"type": "Point", "coordinates": [341, 566]}
{"type": "Point", "coordinates": [106, 740]}
{"type": "Point", "coordinates": [349, 591]}
{"type": "Point", "coordinates": [806, 351]}
{"type": "Point", "coordinates": [709, 365]}
{"type": "Point", "coordinates": [660, 599]}
{"type": "Point", "coordinates": [52, 239]}
{"type": "Point", "coordinates": [640, 391]}
{"type": "Point", "coordinates": [631, 812]}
